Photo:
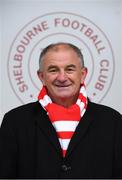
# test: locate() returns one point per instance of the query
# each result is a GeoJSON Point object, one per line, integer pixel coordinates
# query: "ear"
{"type": "Point", "coordinates": [83, 74]}
{"type": "Point", "coordinates": [41, 76]}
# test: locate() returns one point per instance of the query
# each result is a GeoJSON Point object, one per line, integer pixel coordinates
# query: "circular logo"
{"type": "Point", "coordinates": [23, 58]}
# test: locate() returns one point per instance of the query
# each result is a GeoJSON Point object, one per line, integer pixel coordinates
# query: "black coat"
{"type": "Point", "coordinates": [29, 147]}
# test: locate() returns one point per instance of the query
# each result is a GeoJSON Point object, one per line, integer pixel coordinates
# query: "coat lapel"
{"type": "Point", "coordinates": [80, 130]}
{"type": "Point", "coordinates": [46, 126]}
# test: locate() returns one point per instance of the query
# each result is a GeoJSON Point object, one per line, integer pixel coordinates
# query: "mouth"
{"type": "Point", "coordinates": [62, 85]}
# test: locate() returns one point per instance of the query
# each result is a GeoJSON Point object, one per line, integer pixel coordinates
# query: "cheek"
{"type": "Point", "coordinates": [78, 82]}
{"type": "Point", "coordinates": [76, 78]}
{"type": "Point", "coordinates": [49, 78]}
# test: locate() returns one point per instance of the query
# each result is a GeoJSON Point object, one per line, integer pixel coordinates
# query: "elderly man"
{"type": "Point", "coordinates": [63, 134]}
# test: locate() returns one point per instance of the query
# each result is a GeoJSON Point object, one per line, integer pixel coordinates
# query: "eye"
{"type": "Point", "coordinates": [70, 69]}
{"type": "Point", "coordinates": [52, 70]}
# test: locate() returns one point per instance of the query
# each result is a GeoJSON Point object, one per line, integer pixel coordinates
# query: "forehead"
{"type": "Point", "coordinates": [61, 56]}
{"type": "Point", "coordinates": [60, 49]}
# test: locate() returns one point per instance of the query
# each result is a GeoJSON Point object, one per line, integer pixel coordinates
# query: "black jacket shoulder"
{"type": "Point", "coordinates": [22, 114]}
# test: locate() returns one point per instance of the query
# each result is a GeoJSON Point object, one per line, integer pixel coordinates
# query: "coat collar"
{"type": "Point", "coordinates": [46, 126]}
{"type": "Point", "coordinates": [81, 129]}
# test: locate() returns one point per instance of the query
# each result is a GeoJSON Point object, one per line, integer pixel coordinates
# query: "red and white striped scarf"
{"type": "Point", "coordinates": [64, 120]}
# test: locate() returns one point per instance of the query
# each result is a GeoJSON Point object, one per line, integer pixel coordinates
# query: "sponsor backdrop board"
{"type": "Point", "coordinates": [27, 26]}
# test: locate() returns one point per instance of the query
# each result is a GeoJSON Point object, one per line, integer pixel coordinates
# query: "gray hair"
{"type": "Point", "coordinates": [52, 46]}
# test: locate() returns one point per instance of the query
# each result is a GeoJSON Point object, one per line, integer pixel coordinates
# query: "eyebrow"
{"type": "Point", "coordinates": [56, 67]}
{"type": "Point", "coordinates": [71, 66]}
{"type": "Point", "coordinates": [52, 67]}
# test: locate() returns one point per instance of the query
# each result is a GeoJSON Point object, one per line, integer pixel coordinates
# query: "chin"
{"type": "Point", "coordinates": [64, 96]}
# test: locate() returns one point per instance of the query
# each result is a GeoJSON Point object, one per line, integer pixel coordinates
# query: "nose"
{"type": "Point", "coordinates": [62, 76]}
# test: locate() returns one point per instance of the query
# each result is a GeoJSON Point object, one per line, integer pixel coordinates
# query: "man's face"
{"type": "Point", "coordinates": [62, 74]}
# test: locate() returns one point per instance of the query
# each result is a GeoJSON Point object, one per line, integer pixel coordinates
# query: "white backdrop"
{"type": "Point", "coordinates": [27, 26]}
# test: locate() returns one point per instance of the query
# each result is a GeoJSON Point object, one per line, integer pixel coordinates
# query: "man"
{"type": "Point", "coordinates": [63, 134]}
